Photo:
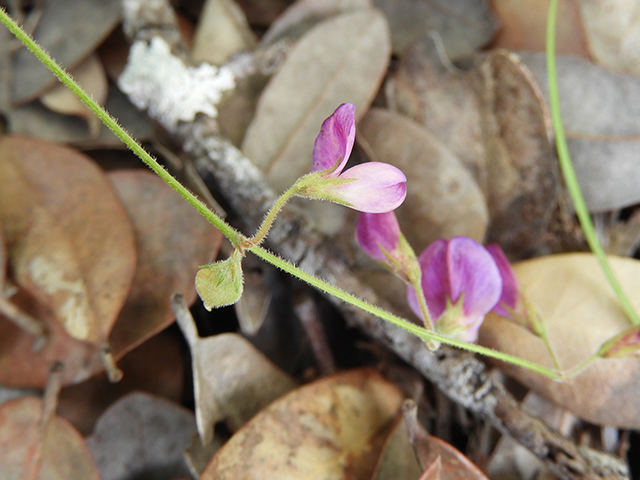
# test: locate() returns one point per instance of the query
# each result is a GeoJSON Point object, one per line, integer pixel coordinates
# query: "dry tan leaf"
{"type": "Point", "coordinates": [22, 367]}
{"type": "Point", "coordinates": [581, 312]}
{"type": "Point", "coordinates": [463, 26]}
{"type": "Point", "coordinates": [87, 22]}
{"type": "Point", "coordinates": [304, 14]}
{"type": "Point", "coordinates": [601, 114]}
{"type": "Point", "coordinates": [142, 434]}
{"type": "Point", "coordinates": [612, 28]}
{"type": "Point", "coordinates": [168, 256]}
{"type": "Point", "coordinates": [523, 26]}
{"type": "Point", "coordinates": [431, 451]}
{"type": "Point", "coordinates": [233, 382]}
{"type": "Point", "coordinates": [494, 118]}
{"type": "Point", "coordinates": [332, 428]}
{"type": "Point", "coordinates": [92, 78]}
{"type": "Point", "coordinates": [70, 240]}
{"type": "Point", "coordinates": [222, 31]}
{"type": "Point", "coordinates": [340, 60]}
{"type": "Point", "coordinates": [29, 453]}
{"type": "Point", "coordinates": [398, 460]}
{"type": "Point", "coordinates": [443, 199]}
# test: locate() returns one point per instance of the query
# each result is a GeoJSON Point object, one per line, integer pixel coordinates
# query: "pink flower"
{"type": "Point", "coordinates": [379, 235]}
{"type": "Point", "coordinates": [372, 187]}
{"type": "Point", "coordinates": [512, 303]}
{"type": "Point", "coordinates": [461, 283]}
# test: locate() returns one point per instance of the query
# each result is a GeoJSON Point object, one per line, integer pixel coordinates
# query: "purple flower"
{"type": "Point", "coordinates": [461, 283]}
{"type": "Point", "coordinates": [379, 235]}
{"type": "Point", "coordinates": [372, 187]}
{"type": "Point", "coordinates": [512, 304]}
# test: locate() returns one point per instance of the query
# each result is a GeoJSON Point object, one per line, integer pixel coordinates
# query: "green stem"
{"type": "Point", "coordinates": [262, 232]}
{"type": "Point", "coordinates": [233, 235]}
{"type": "Point", "coordinates": [568, 171]}
{"type": "Point", "coordinates": [236, 238]}
{"type": "Point", "coordinates": [389, 317]}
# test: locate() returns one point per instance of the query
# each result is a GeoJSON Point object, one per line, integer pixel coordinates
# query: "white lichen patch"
{"type": "Point", "coordinates": [73, 310]}
{"type": "Point", "coordinates": [156, 80]}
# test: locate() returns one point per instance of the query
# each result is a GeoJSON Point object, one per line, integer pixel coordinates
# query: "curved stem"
{"type": "Point", "coordinates": [262, 232]}
{"type": "Point", "coordinates": [569, 173]}
{"type": "Point", "coordinates": [236, 238]}
{"type": "Point", "coordinates": [398, 321]}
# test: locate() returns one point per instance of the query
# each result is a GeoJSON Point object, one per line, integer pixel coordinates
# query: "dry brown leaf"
{"type": "Point", "coordinates": [69, 30]}
{"type": "Point", "coordinates": [443, 199]}
{"type": "Point", "coordinates": [232, 379]}
{"type": "Point", "coordinates": [340, 60]}
{"type": "Point", "coordinates": [157, 367]}
{"type": "Point", "coordinates": [29, 453]}
{"type": "Point", "coordinates": [22, 367]}
{"type": "Point", "coordinates": [304, 14]}
{"type": "Point", "coordinates": [139, 435]}
{"type": "Point", "coordinates": [601, 114]}
{"type": "Point", "coordinates": [523, 26]}
{"type": "Point", "coordinates": [431, 450]}
{"type": "Point", "coordinates": [71, 243]}
{"type": "Point", "coordinates": [172, 241]}
{"type": "Point", "coordinates": [612, 28]}
{"type": "Point", "coordinates": [92, 78]}
{"type": "Point", "coordinates": [463, 26]}
{"type": "Point", "coordinates": [222, 31]}
{"type": "Point", "coordinates": [332, 428]}
{"type": "Point", "coordinates": [3, 260]}
{"type": "Point", "coordinates": [495, 120]}
{"type": "Point", "coordinates": [398, 460]}
{"type": "Point", "coordinates": [581, 312]}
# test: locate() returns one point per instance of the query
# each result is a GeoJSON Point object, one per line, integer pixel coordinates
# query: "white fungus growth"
{"type": "Point", "coordinates": [156, 80]}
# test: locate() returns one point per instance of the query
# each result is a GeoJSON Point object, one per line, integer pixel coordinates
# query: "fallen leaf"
{"type": "Point", "coordinates": [27, 452]}
{"type": "Point", "coordinates": [156, 367]}
{"type": "Point", "coordinates": [34, 120]}
{"type": "Point", "coordinates": [232, 379]}
{"type": "Point", "coordinates": [612, 28]}
{"type": "Point", "coordinates": [85, 23]}
{"type": "Point", "coordinates": [302, 15]}
{"type": "Point", "coordinates": [168, 258]}
{"type": "Point", "coordinates": [398, 460]}
{"type": "Point", "coordinates": [601, 117]}
{"type": "Point", "coordinates": [222, 31]}
{"type": "Point", "coordinates": [340, 60]}
{"type": "Point", "coordinates": [71, 244]}
{"type": "Point", "coordinates": [581, 313]}
{"type": "Point", "coordinates": [139, 435]}
{"type": "Point", "coordinates": [495, 120]}
{"type": "Point", "coordinates": [443, 199]}
{"type": "Point", "coordinates": [22, 367]}
{"type": "Point", "coordinates": [431, 451]}
{"type": "Point", "coordinates": [332, 428]}
{"type": "Point", "coordinates": [463, 26]}
{"type": "Point", "coordinates": [92, 78]}
{"type": "Point", "coordinates": [523, 26]}
{"type": "Point", "coordinates": [3, 260]}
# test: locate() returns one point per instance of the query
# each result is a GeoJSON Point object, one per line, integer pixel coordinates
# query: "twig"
{"type": "Point", "coordinates": [462, 377]}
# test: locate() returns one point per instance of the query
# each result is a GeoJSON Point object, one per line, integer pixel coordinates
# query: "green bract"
{"type": "Point", "coordinates": [221, 283]}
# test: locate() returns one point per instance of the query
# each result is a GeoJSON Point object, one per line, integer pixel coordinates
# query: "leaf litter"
{"type": "Point", "coordinates": [474, 139]}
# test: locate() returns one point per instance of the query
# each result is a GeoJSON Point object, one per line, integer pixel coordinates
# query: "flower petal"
{"type": "Point", "coordinates": [472, 271]}
{"type": "Point", "coordinates": [435, 280]}
{"type": "Point", "coordinates": [375, 230]}
{"type": "Point", "coordinates": [335, 140]}
{"type": "Point", "coordinates": [378, 188]}
{"type": "Point", "coordinates": [510, 286]}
